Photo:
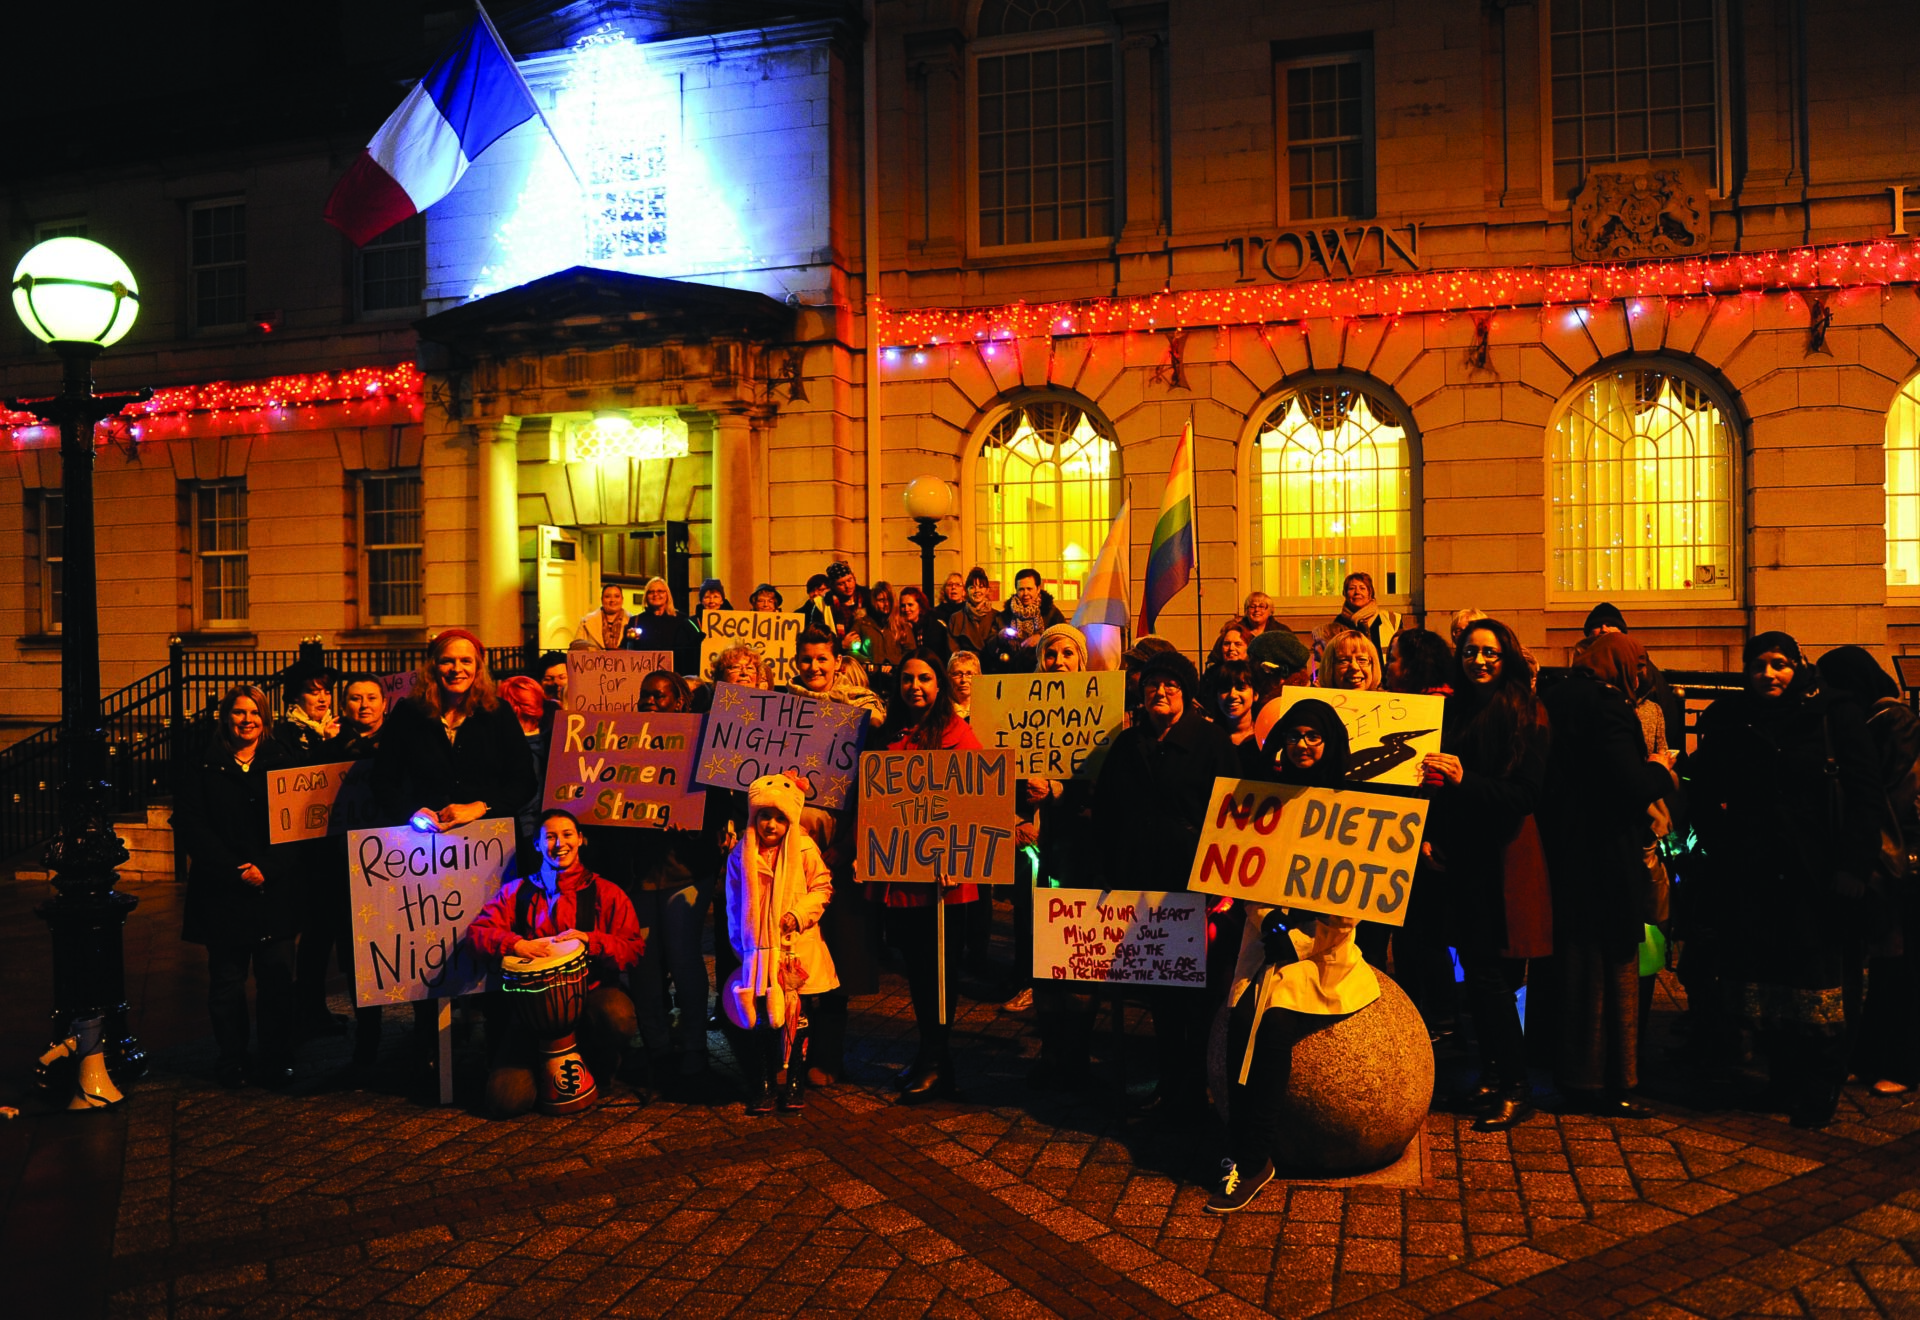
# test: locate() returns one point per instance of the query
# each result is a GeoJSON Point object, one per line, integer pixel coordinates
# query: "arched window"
{"type": "Point", "coordinates": [1903, 492]}
{"type": "Point", "coordinates": [1641, 472]}
{"type": "Point", "coordinates": [1045, 492]}
{"type": "Point", "coordinates": [1332, 494]}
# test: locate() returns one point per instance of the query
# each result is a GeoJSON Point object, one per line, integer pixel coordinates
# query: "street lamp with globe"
{"type": "Point", "coordinates": [78, 297]}
{"type": "Point", "coordinates": [928, 500]}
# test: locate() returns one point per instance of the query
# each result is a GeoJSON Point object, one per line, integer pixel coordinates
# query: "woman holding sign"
{"type": "Point", "coordinates": [922, 720]}
{"type": "Point", "coordinates": [1487, 779]}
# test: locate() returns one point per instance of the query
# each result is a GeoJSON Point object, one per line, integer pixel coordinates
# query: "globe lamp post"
{"type": "Point", "coordinates": [79, 297]}
{"type": "Point", "coordinates": [928, 500]}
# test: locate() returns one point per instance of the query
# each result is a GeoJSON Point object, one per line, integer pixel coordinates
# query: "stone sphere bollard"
{"type": "Point", "coordinates": [1359, 1088]}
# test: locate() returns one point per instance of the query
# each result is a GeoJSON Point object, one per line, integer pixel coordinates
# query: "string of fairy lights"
{"type": "Point", "coordinates": [279, 399]}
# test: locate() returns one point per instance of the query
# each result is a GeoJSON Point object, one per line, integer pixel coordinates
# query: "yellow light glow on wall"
{"type": "Point", "coordinates": [1046, 487]}
{"type": "Point", "coordinates": [1903, 492]}
{"type": "Point", "coordinates": [615, 436]}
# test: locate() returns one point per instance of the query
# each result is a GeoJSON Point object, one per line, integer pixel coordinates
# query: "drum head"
{"type": "Point", "coordinates": [566, 952]}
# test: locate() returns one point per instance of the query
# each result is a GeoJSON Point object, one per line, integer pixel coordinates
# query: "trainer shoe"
{"type": "Point", "coordinates": [1020, 1003]}
{"type": "Point", "coordinates": [1237, 1188]}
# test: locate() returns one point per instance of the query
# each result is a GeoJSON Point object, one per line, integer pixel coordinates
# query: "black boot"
{"type": "Point", "coordinates": [1511, 1106]}
{"type": "Point", "coordinates": [928, 1081]}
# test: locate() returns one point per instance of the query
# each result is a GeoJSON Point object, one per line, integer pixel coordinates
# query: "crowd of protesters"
{"type": "Point", "coordinates": [1574, 848]}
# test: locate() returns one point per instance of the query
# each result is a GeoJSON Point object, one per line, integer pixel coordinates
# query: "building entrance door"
{"type": "Point", "coordinates": [565, 586]}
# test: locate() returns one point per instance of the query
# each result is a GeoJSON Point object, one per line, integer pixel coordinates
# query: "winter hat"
{"type": "Point", "coordinates": [769, 589]}
{"type": "Point", "coordinates": [1606, 613]}
{"type": "Point", "coordinates": [780, 792]}
{"type": "Point", "coordinates": [1772, 641]}
{"type": "Point", "coordinates": [1068, 631]}
{"type": "Point", "coordinates": [1853, 669]}
{"type": "Point", "coordinates": [1330, 771]}
{"type": "Point", "coordinates": [836, 570]}
{"type": "Point", "coordinates": [711, 584]}
{"type": "Point", "coordinates": [1278, 651]}
{"type": "Point", "coordinates": [1145, 649]}
{"type": "Point", "coordinates": [757, 978]}
{"type": "Point", "coordinates": [1175, 666]}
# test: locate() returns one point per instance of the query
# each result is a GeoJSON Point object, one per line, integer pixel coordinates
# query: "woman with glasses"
{"type": "Point", "coordinates": [1486, 780]}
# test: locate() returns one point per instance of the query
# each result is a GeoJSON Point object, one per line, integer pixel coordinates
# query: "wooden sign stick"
{"type": "Point", "coordinates": [940, 944]}
{"type": "Point", "coordinates": [444, 1032]}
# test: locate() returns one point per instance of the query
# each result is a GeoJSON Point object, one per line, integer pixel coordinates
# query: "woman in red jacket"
{"type": "Point", "coordinates": [923, 719]}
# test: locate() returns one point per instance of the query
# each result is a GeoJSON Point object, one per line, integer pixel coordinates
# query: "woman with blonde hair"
{"type": "Point", "coordinates": [1350, 661]}
{"type": "Point", "coordinates": [660, 627]}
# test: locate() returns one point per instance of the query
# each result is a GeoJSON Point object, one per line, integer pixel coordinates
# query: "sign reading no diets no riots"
{"type": "Point", "coordinates": [610, 680]}
{"type": "Point", "coordinates": [1056, 725]}
{"type": "Point", "coordinates": [772, 635]}
{"type": "Point", "coordinates": [1334, 851]}
{"type": "Point", "coordinates": [936, 816]}
{"type": "Point", "coordinates": [751, 732]}
{"type": "Point", "coordinates": [1120, 937]}
{"type": "Point", "coordinates": [622, 768]}
{"type": "Point", "coordinates": [414, 895]}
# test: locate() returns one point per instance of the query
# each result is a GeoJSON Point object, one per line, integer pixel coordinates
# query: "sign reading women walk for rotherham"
{"type": "Point", "coordinates": [1119, 937]}
{"type": "Point", "coordinates": [751, 733]}
{"type": "Point", "coordinates": [1336, 851]}
{"type": "Point", "coordinates": [414, 895]}
{"type": "Point", "coordinates": [772, 636]}
{"type": "Point", "coordinates": [624, 768]}
{"type": "Point", "coordinates": [610, 680]}
{"type": "Point", "coordinates": [933, 816]}
{"type": "Point", "coordinates": [1056, 725]}
{"type": "Point", "coordinates": [1388, 731]}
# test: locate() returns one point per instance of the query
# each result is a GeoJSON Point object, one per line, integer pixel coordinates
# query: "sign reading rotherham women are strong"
{"type": "Point", "coordinates": [624, 768]}
{"type": "Point", "coordinates": [414, 895]}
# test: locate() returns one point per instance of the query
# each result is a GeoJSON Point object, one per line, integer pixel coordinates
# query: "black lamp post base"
{"type": "Point", "coordinates": [89, 977]}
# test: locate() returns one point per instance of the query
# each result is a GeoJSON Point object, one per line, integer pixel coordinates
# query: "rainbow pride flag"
{"type": "Point", "coordinates": [1101, 615]}
{"type": "Point", "coordinates": [1170, 562]}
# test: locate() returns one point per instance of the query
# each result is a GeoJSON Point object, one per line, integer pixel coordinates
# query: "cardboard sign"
{"type": "Point", "coordinates": [1120, 937]}
{"type": "Point", "coordinates": [932, 816]}
{"type": "Point", "coordinates": [1056, 725]}
{"type": "Point", "coordinates": [621, 768]}
{"type": "Point", "coordinates": [1388, 731]}
{"type": "Point", "coordinates": [751, 732]}
{"type": "Point", "coordinates": [414, 895]}
{"type": "Point", "coordinates": [1344, 853]}
{"type": "Point", "coordinates": [771, 636]}
{"type": "Point", "coordinates": [610, 680]}
{"type": "Point", "coordinates": [313, 801]}
{"type": "Point", "coordinates": [395, 688]}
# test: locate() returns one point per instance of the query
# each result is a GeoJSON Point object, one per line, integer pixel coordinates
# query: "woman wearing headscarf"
{"type": "Point", "coordinates": [1593, 820]}
{"type": "Point", "coordinates": [1887, 1043]}
{"type": "Point", "coordinates": [1486, 781]}
{"type": "Point", "coordinates": [1784, 798]}
{"type": "Point", "coordinates": [1295, 969]}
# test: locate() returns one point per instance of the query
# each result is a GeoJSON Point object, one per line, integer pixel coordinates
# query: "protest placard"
{"type": "Point", "coordinates": [1120, 937]}
{"type": "Point", "coordinates": [610, 680]}
{"type": "Point", "coordinates": [414, 895]}
{"type": "Point", "coordinates": [313, 801]}
{"type": "Point", "coordinates": [751, 732]}
{"type": "Point", "coordinates": [772, 635]}
{"type": "Point", "coordinates": [622, 768]}
{"type": "Point", "coordinates": [931, 816]}
{"type": "Point", "coordinates": [1336, 851]}
{"type": "Point", "coordinates": [1388, 731]}
{"type": "Point", "coordinates": [394, 688]}
{"type": "Point", "coordinates": [1056, 725]}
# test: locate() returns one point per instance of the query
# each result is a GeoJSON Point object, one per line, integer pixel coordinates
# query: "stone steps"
{"type": "Point", "coordinates": [148, 837]}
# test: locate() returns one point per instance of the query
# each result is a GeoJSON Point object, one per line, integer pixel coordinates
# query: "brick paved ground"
{"type": "Point", "coordinates": [363, 1202]}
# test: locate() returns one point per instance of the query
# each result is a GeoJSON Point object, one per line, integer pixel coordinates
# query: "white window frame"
{"type": "Point", "coordinates": [368, 548]}
{"type": "Point", "coordinates": [203, 619]}
{"type": "Point", "coordinates": [1283, 166]}
{"type": "Point", "coordinates": [375, 245]}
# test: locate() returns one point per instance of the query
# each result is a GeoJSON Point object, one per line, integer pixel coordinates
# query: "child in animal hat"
{"type": "Point", "coordinates": [777, 887]}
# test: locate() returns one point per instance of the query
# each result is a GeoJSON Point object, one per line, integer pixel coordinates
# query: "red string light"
{"type": "Point", "coordinates": [1839, 266]}
{"type": "Point", "coordinates": [402, 386]}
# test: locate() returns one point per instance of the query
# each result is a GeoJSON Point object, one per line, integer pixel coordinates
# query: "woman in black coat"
{"type": "Point", "coordinates": [452, 752]}
{"type": "Point", "coordinates": [1593, 820]}
{"type": "Point", "coordinates": [1487, 778]}
{"type": "Point", "coordinates": [243, 899]}
{"type": "Point", "coordinates": [1786, 798]}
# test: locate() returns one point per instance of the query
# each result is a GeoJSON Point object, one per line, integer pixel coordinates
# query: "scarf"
{"type": "Point", "coordinates": [298, 715]}
{"type": "Point", "coordinates": [613, 631]}
{"type": "Point", "coordinates": [767, 898]}
{"type": "Point", "coordinates": [1360, 620]}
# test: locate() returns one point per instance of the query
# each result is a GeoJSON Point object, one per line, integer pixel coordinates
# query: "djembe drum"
{"type": "Point", "coordinates": [548, 995]}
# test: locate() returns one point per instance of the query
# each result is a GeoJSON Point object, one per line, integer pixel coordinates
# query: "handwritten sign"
{"type": "Point", "coordinates": [932, 816]}
{"type": "Point", "coordinates": [395, 688]}
{"type": "Point", "coordinates": [772, 636]}
{"type": "Point", "coordinates": [1344, 853]}
{"type": "Point", "coordinates": [1120, 937]}
{"type": "Point", "coordinates": [610, 680]}
{"type": "Point", "coordinates": [1056, 725]}
{"type": "Point", "coordinates": [414, 895]}
{"type": "Point", "coordinates": [620, 768]}
{"type": "Point", "coordinates": [751, 732]}
{"type": "Point", "coordinates": [313, 801]}
{"type": "Point", "coordinates": [1388, 731]}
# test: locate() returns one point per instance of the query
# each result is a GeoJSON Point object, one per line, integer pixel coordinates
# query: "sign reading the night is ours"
{"type": "Point", "coordinates": [623, 768]}
{"type": "Point", "coordinates": [610, 680]}
{"type": "Point", "coordinates": [1120, 937]}
{"type": "Point", "coordinates": [1056, 725]}
{"type": "Point", "coordinates": [1336, 851]}
{"type": "Point", "coordinates": [772, 635]}
{"type": "Point", "coordinates": [934, 816]}
{"type": "Point", "coordinates": [414, 895]}
{"type": "Point", "coordinates": [751, 732]}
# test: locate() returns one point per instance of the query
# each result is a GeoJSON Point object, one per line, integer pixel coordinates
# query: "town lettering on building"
{"type": "Point", "coordinates": [1329, 252]}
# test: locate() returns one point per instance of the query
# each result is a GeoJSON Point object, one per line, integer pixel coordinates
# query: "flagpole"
{"type": "Point", "coordinates": [1199, 611]}
{"type": "Point", "coordinates": [532, 100]}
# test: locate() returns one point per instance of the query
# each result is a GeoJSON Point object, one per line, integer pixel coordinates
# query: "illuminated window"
{"type": "Point", "coordinates": [1332, 495]}
{"type": "Point", "coordinates": [392, 545]}
{"type": "Point", "coordinates": [1046, 491]}
{"type": "Point", "coordinates": [1641, 474]}
{"type": "Point", "coordinates": [219, 259]}
{"type": "Point", "coordinates": [393, 268]}
{"type": "Point", "coordinates": [1903, 492]}
{"type": "Point", "coordinates": [1044, 154]}
{"type": "Point", "coordinates": [46, 531]}
{"type": "Point", "coordinates": [1633, 81]}
{"type": "Point", "coordinates": [220, 552]}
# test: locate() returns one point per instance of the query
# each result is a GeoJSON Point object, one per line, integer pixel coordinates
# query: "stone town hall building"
{"type": "Point", "coordinates": [1516, 304]}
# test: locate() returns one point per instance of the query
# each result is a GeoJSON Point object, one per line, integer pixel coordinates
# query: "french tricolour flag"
{"type": "Point", "coordinates": [465, 103]}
